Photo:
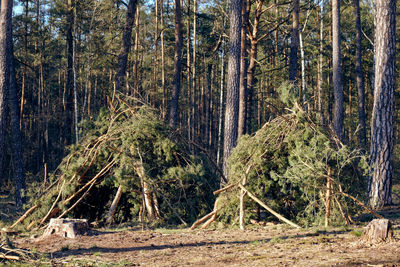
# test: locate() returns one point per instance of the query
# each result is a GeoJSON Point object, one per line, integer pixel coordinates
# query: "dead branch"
{"type": "Point", "coordinates": [203, 219]}
{"type": "Point", "coordinates": [219, 191]}
{"type": "Point", "coordinates": [277, 215]}
{"type": "Point", "coordinates": [23, 217]}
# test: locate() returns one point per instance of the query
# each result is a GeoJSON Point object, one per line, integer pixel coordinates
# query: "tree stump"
{"type": "Point", "coordinates": [378, 230]}
{"type": "Point", "coordinates": [67, 227]}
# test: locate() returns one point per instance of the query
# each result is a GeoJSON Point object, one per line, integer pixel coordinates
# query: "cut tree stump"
{"type": "Point", "coordinates": [70, 228]}
{"type": "Point", "coordinates": [378, 230]}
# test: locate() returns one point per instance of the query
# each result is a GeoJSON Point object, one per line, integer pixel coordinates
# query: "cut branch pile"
{"type": "Point", "coordinates": [296, 166]}
{"type": "Point", "coordinates": [129, 165]}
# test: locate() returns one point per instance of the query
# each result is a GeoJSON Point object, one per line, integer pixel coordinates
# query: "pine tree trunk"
{"type": "Point", "coordinates": [380, 185]}
{"type": "Point", "coordinates": [69, 98]}
{"type": "Point", "coordinates": [252, 64]}
{"type": "Point", "coordinates": [5, 59]}
{"type": "Point", "coordinates": [320, 65]}
{"type": "Point", "coordinates": [16, 132]}
{"type": "Point", "coordinates": [359, 76]}
{"type": "Point", "coordinates": [337, 70]}
{"type": "Point", "coordinates": [126, 45]}
{"type": "Point", "coordinates": [232, 97]}
{"type": "Point", "coordinates": [294, 43]}
{"type": "Point", "coordinates": [173, 120]}
{"type": "Point", "coordinates": [243, 74]}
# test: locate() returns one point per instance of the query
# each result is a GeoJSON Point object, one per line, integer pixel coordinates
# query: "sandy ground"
{"type": "Point", "coordinates": [272, 245]}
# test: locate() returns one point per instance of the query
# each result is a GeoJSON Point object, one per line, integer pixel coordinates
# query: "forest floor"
{"type": "Point", "coordinates": [270, 245]}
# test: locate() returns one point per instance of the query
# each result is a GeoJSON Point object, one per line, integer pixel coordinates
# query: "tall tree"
{"type": "Point", "coordinates": [69, 107]}
{"type": "Point", "coordinates": [126, 45]}
{"type": "Point", "coordinates": [173, 119]}
{"type": "Point", "coordinates": [359, 76]}
{"type": "Point", "coordinates": [337, 70]}
{"type": "Point", "coordinates": [380, 184]}
{"type": "Point", "coordinates": [8, 87]}
{"type": "Point", "coordinates": [232, 94]}
{"type": "Point", "coordinates": [294, 42]}
{"type": "Point", "coordinates": [243, 73]}
{"type": "Point", "coordinates": [5, 59]}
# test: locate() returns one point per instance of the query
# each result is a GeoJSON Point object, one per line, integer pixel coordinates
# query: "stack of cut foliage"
{"type": "Point", "coordinates": [299, 169]}
{"type": "Point", "coordinates": [129, 166]}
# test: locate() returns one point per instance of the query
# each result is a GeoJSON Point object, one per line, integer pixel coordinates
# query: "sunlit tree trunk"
{"type": "Point", "coordinates": [232, 97]}
{"type": "Point", "coordinates": [380, 185]}
{"type": "Point", "coordinates": [337, 70]}
{"type": "Point", "coordinates": [243, 74]}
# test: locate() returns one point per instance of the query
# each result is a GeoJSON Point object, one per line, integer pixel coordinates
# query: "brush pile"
{"type": "Point", "coordinates": [129, 166]}
{"type": "Point", "coordinates": [300, 169]}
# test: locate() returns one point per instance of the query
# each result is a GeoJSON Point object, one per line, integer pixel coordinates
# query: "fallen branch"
{"type": "Point", "coordinates": [23, 217]}
{"type": "Point", "coordinates": [9, 257]}
{"type": "Point", "coordinates": [359, 203]}
{"type": "Point", "coordinates": [203, 219]}
{"type": "Point", "coordinates": [114, 204]}
{"type": "Point", "coordinates": [219, 191]}
{"type": "Point", "coordinates": [54, 204]}
{"type": "Point", "coordinates": [277, 215]}
{"type": "Point", "coordinates": [92, 181]}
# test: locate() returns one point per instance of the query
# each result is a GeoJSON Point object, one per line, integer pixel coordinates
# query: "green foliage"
{"type": "Point", "coordinates": [287, 164]}
{"type": "Point", "coordinates": [138, 148]}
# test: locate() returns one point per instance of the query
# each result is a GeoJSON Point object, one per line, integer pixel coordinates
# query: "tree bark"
{"type": "Point", "coordinates": [232, 97]}
{"type": "Point", "coordinates": [252, 61]}
{"type": "Point", "coordinates": [320, 65]}
{"type": "Point", "coordinates": [294, 43]}
{"type": "Point", "coordinates": [177, 65]}
{"type": "Point", "coordinates": [243, 73]}
{"type": "Point", "coordinates": [5, 59]}
{"type": "Point", "coordinates": [337, 70]}
{"type": "Point", "coordinates": [69, 98]}
{"type": "Point", "coordinates": [16, 139]}
{"type": "Point", "coordinates": [126, 45]}
{"type": "Point", "coordinates": [380, 184]}
{"type": "Point", "coordinates": [360, 77]}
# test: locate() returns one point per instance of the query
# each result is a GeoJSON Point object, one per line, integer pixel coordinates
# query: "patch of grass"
{"type": "Point", "coordinates": [97, 254]}
{"type": "Point", "coordinates": [357, 233]}
{"type": "Point", "coordinates": [257, 242]}
{"type": "Point", "coordinates": [276, 240]}
{"type": "Point", "coordinates": [168, 231]}
{"type": "Point", "coordinates": [65, 248]}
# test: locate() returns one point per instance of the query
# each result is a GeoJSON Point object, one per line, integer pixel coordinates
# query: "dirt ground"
{"type": "Point", "coordinates": [272, 245]}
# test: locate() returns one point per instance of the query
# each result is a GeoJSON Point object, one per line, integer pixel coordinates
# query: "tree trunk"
{"type": "Point", "coordinates": [69, 98]}
{"type": "Point", "coordinates": [359, 77]}
{"type": "Point", "coordinates": [243, 74]}
{"type": "Point", "coordinates": [177, 65]}
{"type": "Point", "coordinates": [337, 70]}
{"type": "Point", "coordinates": [16, 139]}
{"type": "Point", "coordinates": [126, 45]}
{"type": "Point", "coordinates": [320, 65]}
{"type": "Point", "coordinates": [5, 59]}
{"type": "Point", "coordinates": [380, 184]}
{"type": "Point", "coordinates": [164, 93]}
{"type": "Point", "coordinates": [232, 97]}
{"type": "Point", "coordinates": [252, 63]}
{"type": "Point", "coordinates": [294, 43]}
{"type": "Point", "coordinates": [221, 102]}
